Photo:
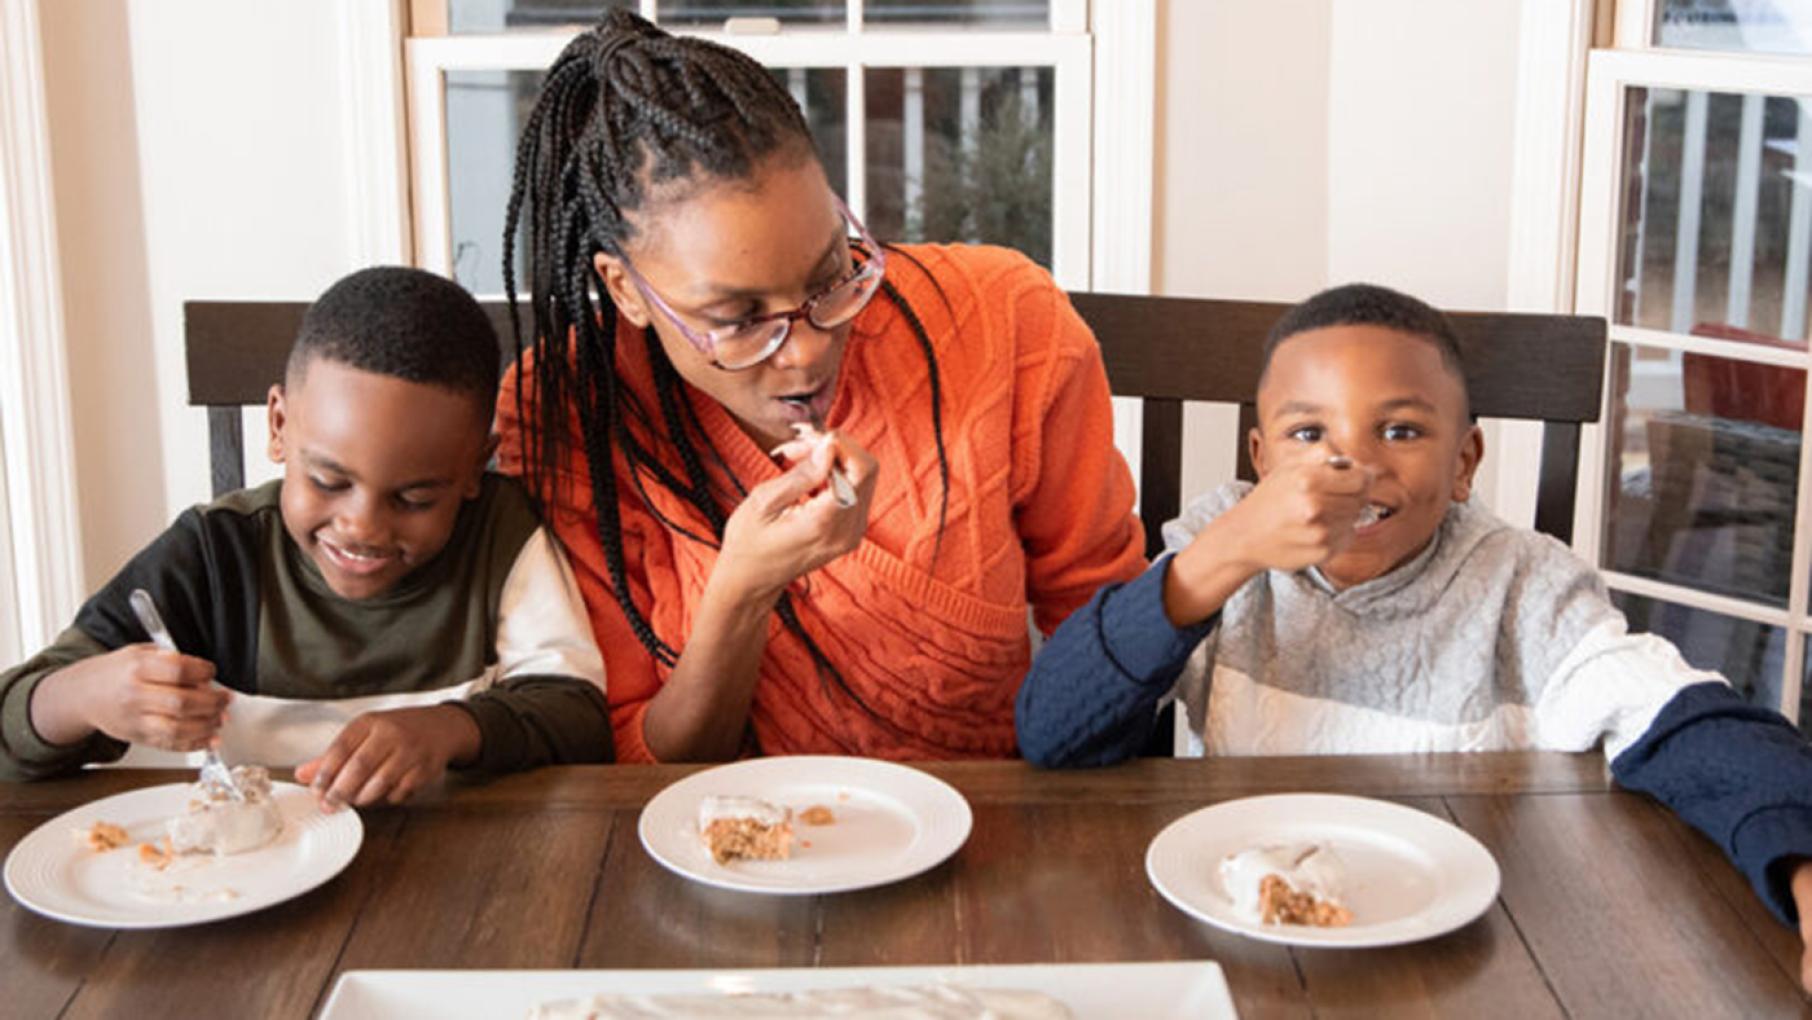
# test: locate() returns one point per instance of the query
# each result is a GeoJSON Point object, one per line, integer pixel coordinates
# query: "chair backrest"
{"type": "Point", "coordinates": [1547, 368]}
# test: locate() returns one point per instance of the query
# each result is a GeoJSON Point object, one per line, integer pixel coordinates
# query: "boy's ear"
{"type": "Point", "coordinates": [622, 290]}
{"type": "Point", "coordinates": [1255, 448]}
{"type": "Point", "coordinates": [476, 484]}
{"type": "Point", "coordinates": [275, 414]}
{"type": "Point", "coordinates": [1472, 450]}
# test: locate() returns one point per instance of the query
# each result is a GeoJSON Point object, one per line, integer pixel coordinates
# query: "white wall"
{"type": "Point", "coordinates": [1307, 143]}
{"type": "Point", "coordinates": [199, 152]}
{"type": "Point", "coordinates": [1421, 113]}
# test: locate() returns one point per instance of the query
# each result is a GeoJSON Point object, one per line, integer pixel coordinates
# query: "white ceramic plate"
{"type": "Point", "coordinates": [1410, 875]}
{"type": "Point", "coordinates": [54, 873]}
{"type": "Point", "coordinates": [1150, 991]}
{"type": "Point", "coordinates": [892, 822]}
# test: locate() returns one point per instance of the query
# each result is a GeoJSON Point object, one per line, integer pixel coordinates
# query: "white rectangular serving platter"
{"type": "Point", "coordinates": [1155, 991]}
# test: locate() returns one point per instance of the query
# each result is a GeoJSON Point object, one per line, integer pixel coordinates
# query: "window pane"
{"type": "Point", "coordinates": [1750, 655]}
{"type": "Point", "coordinates": [485, 111]}
{"type": "Point", "coordinates": [822, 92]}
{"type": "Point", "coordinates": [500, 15]}
{"type": "Point", "coordinates": [1005, 13]}
{"type": "Point", "coordinates": [713, 13]}
{"type": "Point", "coordinates": [1717, 225]}
{"type": "Point", "coordinates": [961, 154]}
{"type": "Point", "coordinates": [1706, 454]}
{"type": "Point", "coordinates": [1760, 26]}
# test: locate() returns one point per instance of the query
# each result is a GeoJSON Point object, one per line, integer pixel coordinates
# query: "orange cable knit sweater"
{"type": "Point", "coordinates": [1040, 515]}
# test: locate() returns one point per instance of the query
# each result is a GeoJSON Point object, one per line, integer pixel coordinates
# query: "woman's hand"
{"type": "Point", "coordinates": [789, 526]}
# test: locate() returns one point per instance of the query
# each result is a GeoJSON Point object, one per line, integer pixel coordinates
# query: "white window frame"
{"type": "Point", "coordinates": [1610, 76]}
{"type": "Point", "coordinates": [1102, 121]}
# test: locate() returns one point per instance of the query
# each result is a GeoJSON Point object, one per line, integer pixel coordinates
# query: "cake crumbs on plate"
{"type": "Point", "coordinates": [157, 855]}
{"type": "Point", "coordinates": [103, 836]}
{"type": "Point", "coordinates": [817, 814]}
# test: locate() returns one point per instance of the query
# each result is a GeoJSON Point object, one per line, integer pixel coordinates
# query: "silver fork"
{"type": "Point", "coordinates": [213, 770]}
{"type": "Point", "coordinates": [1368, 515]}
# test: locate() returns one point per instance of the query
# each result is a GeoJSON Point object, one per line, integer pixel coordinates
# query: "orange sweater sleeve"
{"type": "Point", "coordinates": [1072, 491]}
{"type": "Point", "coordinates": [630, 674]}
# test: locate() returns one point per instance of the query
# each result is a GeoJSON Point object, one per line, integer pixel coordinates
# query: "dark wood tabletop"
{"type": "Point", "coordinates": [1609, 906]}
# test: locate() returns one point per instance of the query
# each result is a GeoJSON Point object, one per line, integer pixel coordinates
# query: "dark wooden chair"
{"type": "Point", "coordinates": [1546, 368]}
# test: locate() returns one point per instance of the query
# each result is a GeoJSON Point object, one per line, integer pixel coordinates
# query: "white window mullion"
{"type": "Point", "coordinates": [1686, 230]}
{"type": "Point", "coordinates": [1635, 26]}
{"type": "Point", "coordinates": [1799, 231]}
{"type": "Point", "coordinates": [1693, 598]}
{"type": "Point", "coordinates": [1072, 15]}
{"type": "Point", "coordinates": [1799, 589]}
{"type": "Point", "coordinates": [1744, 211]}
{"type": "Point", "coordinates": [855, 116]}
{"type": "Point", "coordinates": [1733, 350]}
{"type": "Point", "coordinates": [912, 118]}
{"type": "Point", "coordinates": [651, 9]}
{"type": "Point", "coordinates": [428, 153]}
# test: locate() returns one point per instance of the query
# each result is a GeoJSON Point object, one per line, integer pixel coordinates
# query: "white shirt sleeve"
{"type": "Point", "coordinates": [1610, 687]}
{"type": "Point", "coordinates": [542, 627]}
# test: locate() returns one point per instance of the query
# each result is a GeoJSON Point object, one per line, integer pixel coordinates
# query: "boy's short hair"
{"type": "Point", "coordinates": [1367, 304]}
{"type": "Point", "coordinates": [405, 323]}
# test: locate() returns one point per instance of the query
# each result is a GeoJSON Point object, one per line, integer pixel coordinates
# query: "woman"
{"type": "Point", "coordinates": [696, 295]}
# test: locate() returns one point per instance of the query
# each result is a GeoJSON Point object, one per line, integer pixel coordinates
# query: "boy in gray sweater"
{"type": "Point", "coordinates": [1355, 601]}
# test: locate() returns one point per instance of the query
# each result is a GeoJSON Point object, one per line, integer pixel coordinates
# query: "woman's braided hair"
{"type": "Point", "coordinates": [625, 108]}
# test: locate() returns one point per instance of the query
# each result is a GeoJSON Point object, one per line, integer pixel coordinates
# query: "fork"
{"type": "Point", "coordinates": [213, 770]}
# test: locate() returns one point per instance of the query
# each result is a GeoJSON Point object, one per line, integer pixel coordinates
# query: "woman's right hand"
{"type": "Point", "coordinates": [789, 526]}
{"type": "Point", "coordinates": [140, 694]}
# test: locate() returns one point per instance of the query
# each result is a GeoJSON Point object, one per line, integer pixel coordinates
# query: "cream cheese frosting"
{"type": "Point", "coordinates": [218, 823]}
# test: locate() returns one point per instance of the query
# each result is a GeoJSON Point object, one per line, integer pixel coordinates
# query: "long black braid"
{"type": "Point", "coordinates": [627, 107]}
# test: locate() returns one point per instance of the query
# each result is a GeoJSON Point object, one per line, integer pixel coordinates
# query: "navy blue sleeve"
{"type": "Point", "coordinates": [1740, 774]}
{"type": "Point", "coordinates": [1092, 694]}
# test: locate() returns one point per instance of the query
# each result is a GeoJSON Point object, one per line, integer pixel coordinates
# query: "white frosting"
{"type": "Point", "coordinates": [1312, 868]}
{"type": "Point", "coordinates": [713, 809]}
{"type": "Point", "coordinates": [926, 1002]}
{"type": "Point", "coordinates": [218, 823]}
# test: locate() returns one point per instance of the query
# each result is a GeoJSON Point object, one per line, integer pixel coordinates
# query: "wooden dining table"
{"type": "Point", "coordinates": [1609, 905]}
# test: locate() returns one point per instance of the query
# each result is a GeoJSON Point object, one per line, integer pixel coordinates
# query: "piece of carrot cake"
{"type": "Point", "coordinates": [1295, 884]}
{"type": "Point", "coordinates": [745, 827]}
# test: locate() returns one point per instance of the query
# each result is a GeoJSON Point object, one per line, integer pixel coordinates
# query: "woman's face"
{"type": "Point", "coordinates": [731, 250]}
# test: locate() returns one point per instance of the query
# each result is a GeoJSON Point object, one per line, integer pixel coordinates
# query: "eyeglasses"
{"type": "Point", "coordinates": [752, 341]}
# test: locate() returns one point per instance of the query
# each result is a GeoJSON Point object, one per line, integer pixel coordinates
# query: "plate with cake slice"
{"type": "Point", "coordinates": [1323, 870]}
{"type": "Point", "coordinates": [805, 824]}
{"type": "Point", "coordinates": [181, 853]}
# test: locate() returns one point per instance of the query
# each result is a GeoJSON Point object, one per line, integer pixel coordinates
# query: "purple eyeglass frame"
{"type": "Point", "coordinates": [707, 343]}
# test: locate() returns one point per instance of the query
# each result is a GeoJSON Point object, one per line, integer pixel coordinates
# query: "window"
{"type": "Point", "coordinates": [1696, 246]}
{"type": "Point", "coordinates": [964, 120]}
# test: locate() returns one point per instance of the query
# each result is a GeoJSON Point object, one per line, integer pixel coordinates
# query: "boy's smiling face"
{"type": "Point", "coordinates": [1387, 400]}
{"type": "Point", "coordinates": [375, 469]}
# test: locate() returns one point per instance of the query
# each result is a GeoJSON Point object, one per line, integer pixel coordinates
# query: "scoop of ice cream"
{"type": "Point", "coordinates": [217, 822]}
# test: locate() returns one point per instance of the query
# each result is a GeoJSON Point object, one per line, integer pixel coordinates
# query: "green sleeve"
{"type": "Point", "coordinates": [23, 753]}
{"type": "Point", "coordinates": [525, 722]}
